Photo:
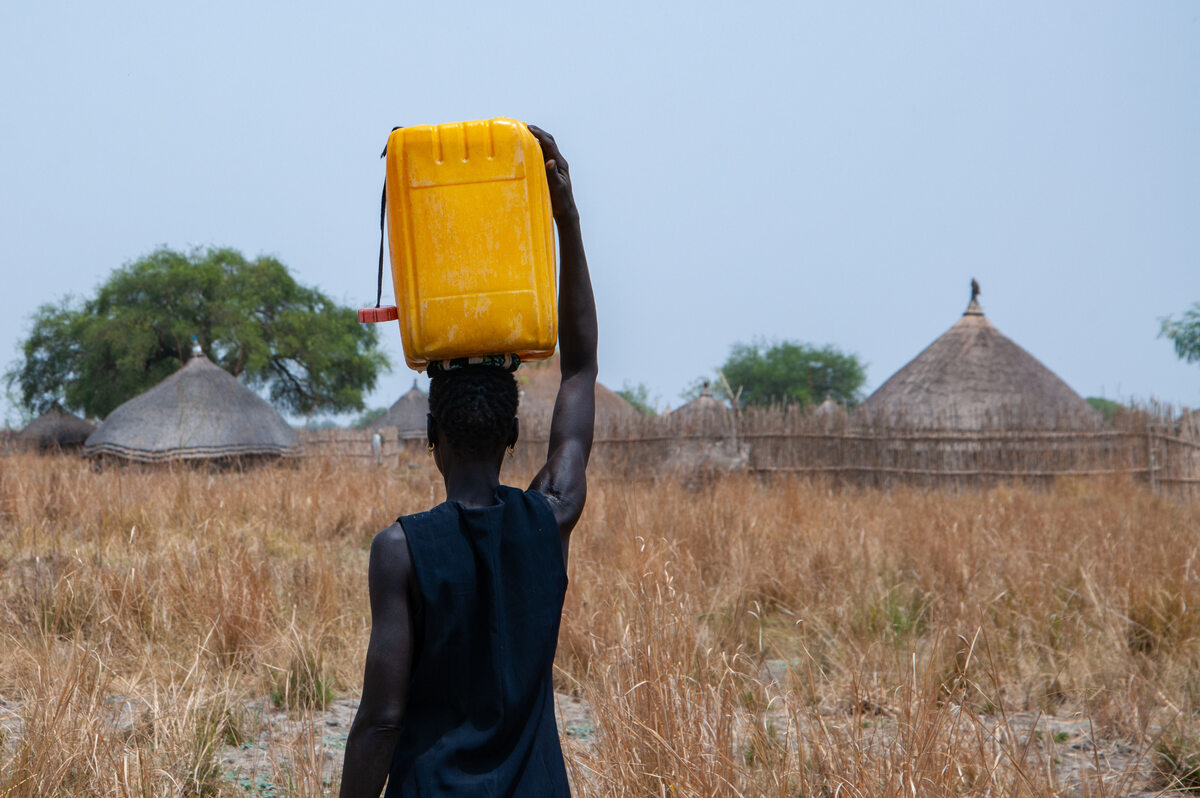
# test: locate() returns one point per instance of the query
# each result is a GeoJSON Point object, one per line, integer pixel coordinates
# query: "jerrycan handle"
{"type": "Point", "coordinates": [389, 313]}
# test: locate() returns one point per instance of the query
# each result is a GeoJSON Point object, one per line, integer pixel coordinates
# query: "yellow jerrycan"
{"type": "Point", "coordinates": [471, 239]}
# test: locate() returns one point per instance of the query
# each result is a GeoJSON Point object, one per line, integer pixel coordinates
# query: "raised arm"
{"type": "Point", "coordinates": [376, 727]}
{"type": "Point", "coordinates": [563, 478]}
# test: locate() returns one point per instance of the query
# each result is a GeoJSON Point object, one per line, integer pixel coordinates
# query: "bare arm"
{"type": "Point", "coordinates": [563, 478]}
{"type": "Point", "coordinates": [376, 728]}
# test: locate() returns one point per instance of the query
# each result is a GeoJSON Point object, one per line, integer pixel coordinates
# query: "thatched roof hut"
{"type": "Point", "coordinates": [703, 408]}
{"type": "Point", "coordinates": [200, 412]}
{"type": "Point", "coordinates": [538, 382]}
{"type": "Point", "coordinates": [55, 429]}
{"type": "Point", "coordinates": [705, 436]}
{"type": "Point", "coordinates": [972, 377]}
{"type": "Point", "coordinates": [407, 415]}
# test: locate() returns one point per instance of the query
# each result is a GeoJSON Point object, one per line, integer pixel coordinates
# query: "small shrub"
{"type": "Point", "coordinates": [304, 684]}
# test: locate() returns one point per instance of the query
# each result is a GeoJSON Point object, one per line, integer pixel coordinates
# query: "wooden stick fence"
{"type": "Point", "coordinates": [1157, 446]}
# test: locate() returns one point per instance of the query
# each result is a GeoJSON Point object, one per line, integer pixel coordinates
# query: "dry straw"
{"type": "Point", "coordinates": [176, 631]}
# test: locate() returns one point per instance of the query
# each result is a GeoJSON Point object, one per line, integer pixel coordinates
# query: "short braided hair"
{"type": "Point", "coordinates": [474, 407]}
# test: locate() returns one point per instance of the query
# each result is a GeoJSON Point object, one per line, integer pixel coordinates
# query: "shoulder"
{"type": "Point", "coordinates": [390, 539]}
{"type": "Point", "coordinates": [390, 557]}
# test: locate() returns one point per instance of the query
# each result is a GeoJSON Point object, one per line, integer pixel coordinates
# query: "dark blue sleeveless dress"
{"type": "Point", "coordinates": [480, 713]}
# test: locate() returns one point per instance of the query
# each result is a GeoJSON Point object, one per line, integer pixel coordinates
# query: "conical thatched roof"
{"type": "Point", "coordinates": [407, 414]}
{"type": "Point", "coordinates": [704, 406]}
{"type": "Point", "coordinates": [55, 429]}
{"type": "Point", "coordinates": [538, 383]}
{"type": "Point", "coordinates": [974, 376]}
{"type": "Point", "coordinates": [199, 412]}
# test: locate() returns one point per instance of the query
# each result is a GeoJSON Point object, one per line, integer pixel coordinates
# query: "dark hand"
{"type": "Point", "coordinates": [558, 176]}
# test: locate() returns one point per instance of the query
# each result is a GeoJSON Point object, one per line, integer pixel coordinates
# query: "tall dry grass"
{"type": "Point", "coordinates": [738, 637]}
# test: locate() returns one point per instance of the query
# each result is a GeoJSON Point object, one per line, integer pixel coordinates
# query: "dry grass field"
{"type": "Point", "coordinates": [187, 632]}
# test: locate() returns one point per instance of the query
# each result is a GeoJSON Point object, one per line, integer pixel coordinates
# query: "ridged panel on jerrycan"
{"type": "Point", "coordinates": [472, 241]}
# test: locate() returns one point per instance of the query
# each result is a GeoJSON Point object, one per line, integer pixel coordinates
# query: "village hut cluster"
{"type": "Point", "coordinates": [971, 404]}
{"type": "Point", "coordinates": [972, 377]}
{"type": "Point", "coordinates": [199, 413]}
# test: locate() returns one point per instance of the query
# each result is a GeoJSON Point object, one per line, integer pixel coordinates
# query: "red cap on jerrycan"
{"type": "Point", "coordinates": [377, 313]}
{"type": "Point", "coordinates": [467, 213]}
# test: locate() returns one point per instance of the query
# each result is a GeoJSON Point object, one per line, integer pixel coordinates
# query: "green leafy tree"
{"type": "Point", "coordinates": [1107, 407]}
{"type": "Point", "coordinates": [250, 316]}
{"type": "Point", "coordinates": [638, 396]}
{"type": "Point", "coordinates": [787, 373]}
{"type": "Point", "coordinates": [1184, 333]}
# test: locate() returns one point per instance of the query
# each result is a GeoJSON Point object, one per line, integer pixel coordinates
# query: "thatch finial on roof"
{"type": "Point", "coordinates": [196, 350]}
{"type": "Point", "coordinates": [975, 377]}
{"type": "Point", "coordinates": [973, 308]}
{"type": "Point", "coordinates": [702, 405]}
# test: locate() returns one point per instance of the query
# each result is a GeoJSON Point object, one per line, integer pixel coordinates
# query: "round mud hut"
{"type": "Point", "coordinates": [200, 412]}
{"type": "Point", "coordinates": [55, 430]}
{"type": "Point", "coordinates": [407, 416]}
{"type": "Point", "coordinates": [975, 377]}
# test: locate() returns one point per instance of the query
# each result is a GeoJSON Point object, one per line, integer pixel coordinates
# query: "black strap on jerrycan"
{"type": "Point", "coordinates": [387, 312]}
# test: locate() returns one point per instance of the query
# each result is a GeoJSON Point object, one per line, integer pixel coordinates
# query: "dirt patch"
{"type": "Point", "coordinates": [282, 745]}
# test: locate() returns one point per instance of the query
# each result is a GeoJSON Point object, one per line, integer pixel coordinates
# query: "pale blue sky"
{"type": "Point", "coordinates": [831, 173]}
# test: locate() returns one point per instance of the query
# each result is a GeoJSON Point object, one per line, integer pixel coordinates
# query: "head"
{"type": "Point", "coordinates": [472, 413]}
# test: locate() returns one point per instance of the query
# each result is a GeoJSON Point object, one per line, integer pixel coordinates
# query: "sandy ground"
{"type": "Point", "coordinates": [255, 764]}
{"type": "Point", "coordinates": [1064, 744]}
{"type": "Point", "coordinates": [278, 744]}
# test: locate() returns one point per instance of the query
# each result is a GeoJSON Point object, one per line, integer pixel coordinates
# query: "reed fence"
{"type": "Point", "coordinates": [1159, 446]}
{"type": "Point", "coordinates": [382, 446]}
